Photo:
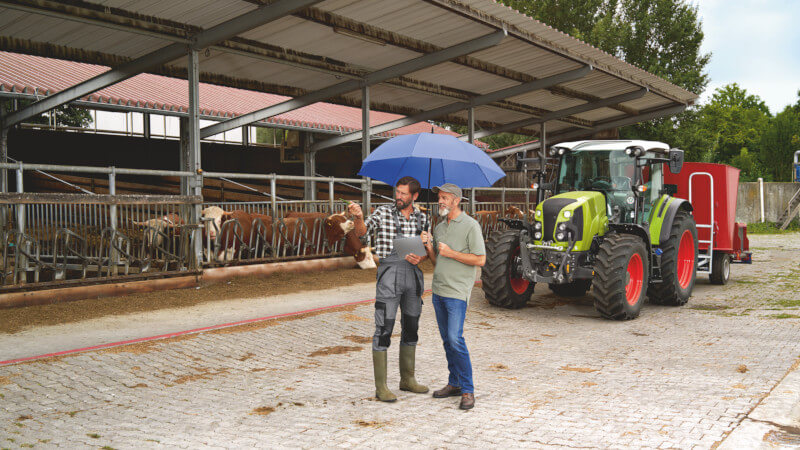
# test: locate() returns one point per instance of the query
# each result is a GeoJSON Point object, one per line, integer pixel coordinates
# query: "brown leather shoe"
{"type": "Point", "coordinates": [447, 391]}
{"type": "Point", "coordinates": [467, 401]}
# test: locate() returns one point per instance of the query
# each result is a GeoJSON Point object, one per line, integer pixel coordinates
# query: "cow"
{"type": "Point", "coordinates": [338, 226]}
{"type": "Point", "coordinates": [487, 220]}
{"type": "Point", "coordinates": [229, 244]}
{"type": "Point", "coordinates": [156, 229]}
{"type": "Point", "coordinates": [513, 212]}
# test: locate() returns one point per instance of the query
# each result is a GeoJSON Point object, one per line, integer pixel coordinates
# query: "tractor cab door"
{"type": "Point", "coordinates": [652, 178]}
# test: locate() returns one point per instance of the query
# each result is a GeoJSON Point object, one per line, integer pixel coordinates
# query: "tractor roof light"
{"type": "Point", "coordinates": [634, 151]}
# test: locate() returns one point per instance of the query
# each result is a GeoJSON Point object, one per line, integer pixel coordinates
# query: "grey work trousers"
{"type": "Point", "coordinates": [400, 284]}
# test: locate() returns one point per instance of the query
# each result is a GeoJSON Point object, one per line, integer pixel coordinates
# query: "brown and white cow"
{"type": "Point", "coordinates": [338, 226]}
{"type": "Point", "coordinates": [156, 229]}
{"type": "Point", "coordinates": [229, 245]}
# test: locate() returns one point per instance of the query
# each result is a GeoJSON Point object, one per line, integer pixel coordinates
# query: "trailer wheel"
{"type": "Point", "coordinates": [577, 288]}
{"type": "Point", "coordinates": [621, 274]}
{"type": "Point", "coordinates": [720, 268]}
{"type": "Point", "coordinates": [501, 278]}
{"type": "Point", "coordinates": [678, 263]}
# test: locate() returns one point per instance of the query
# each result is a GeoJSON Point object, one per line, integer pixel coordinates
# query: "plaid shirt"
{"type": "Point", "coordinates": [382, 220]}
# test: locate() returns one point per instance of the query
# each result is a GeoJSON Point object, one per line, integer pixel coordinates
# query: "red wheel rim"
{"type": "Point", "coordinates": [518, 285]}
{"type": "Point", "coordinates": [685, 259]}
{"type": "Point", "coordinates": [633, 289]}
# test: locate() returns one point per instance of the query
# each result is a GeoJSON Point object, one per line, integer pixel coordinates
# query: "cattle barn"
{"type": "Point", "coordinates": [263, 110]}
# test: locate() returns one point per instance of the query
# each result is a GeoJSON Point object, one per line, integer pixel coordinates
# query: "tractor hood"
{"type": "Point", "coordinates": [579, 214]}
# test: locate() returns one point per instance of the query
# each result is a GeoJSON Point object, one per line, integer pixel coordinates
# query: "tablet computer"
{"type": "Point", "coordinates": [407, 245]}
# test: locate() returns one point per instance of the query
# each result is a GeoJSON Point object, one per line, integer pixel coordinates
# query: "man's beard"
{"type": "Point", "coordinates": [443, 210]}
{"type": "Point", "coordinates": [400, 205]}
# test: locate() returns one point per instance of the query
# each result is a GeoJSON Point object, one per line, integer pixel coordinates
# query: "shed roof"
{"type": "Point", "coordinates": [335, 40]}
{"type": "Point", "coordinates": [35, 76]}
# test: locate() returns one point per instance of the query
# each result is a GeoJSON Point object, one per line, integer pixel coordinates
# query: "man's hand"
{"type": "Point", "coordinates": [445, 250]}
{"type": "Point", "coordinates": [355, 209]}
{"type": "Point", "coordinates": [414, 259]}
{"type": "Point", "coordinates": [426, 240]}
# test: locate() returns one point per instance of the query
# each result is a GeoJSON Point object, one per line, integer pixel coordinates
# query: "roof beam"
{"type": "Point", "coordinates": [225, 30]}
{"type": "Point", "coordinates": [614, 123]}
{"type": "Point", "coordinates": [555, 115]}
{"type": "Point", "coordinates": [512, 91]}
{"type": "Point", "coordinates": [333, 20]}
{"type": "Point", "coordinates": [378, 76]}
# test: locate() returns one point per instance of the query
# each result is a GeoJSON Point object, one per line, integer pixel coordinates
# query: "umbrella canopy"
{"type": "Point", "coordinates": [433, 159]}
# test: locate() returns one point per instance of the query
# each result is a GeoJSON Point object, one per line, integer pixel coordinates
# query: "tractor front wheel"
{"type": "Point", "coordinates": [501, 276]}
{"type": "Point", "coordinates": [621, 274]}
{"type": "Point", "coordinates": [678, 263]}
{"type": "Point", "coordinates": [577, 288]}
{"type": "Point", "coordinates": [720, 268]}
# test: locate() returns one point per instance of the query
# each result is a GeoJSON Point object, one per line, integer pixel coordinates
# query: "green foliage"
{"type": "Point", "coordinates": [772, 228]}
{"type": "Point", "coordinates": [65, 115]}
{"type": "Point", "coordinates": [779, 140]}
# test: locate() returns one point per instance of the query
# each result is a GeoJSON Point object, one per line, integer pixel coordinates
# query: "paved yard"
{"type": "Point", "coordinates": [551, 374]}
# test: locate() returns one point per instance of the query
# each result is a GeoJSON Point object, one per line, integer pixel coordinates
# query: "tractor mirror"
{"type": "Point", "coordinates": [675, 160]}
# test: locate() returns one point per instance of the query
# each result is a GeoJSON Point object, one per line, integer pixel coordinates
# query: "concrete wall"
{"type": "Point", "coordinates": [776, 198]}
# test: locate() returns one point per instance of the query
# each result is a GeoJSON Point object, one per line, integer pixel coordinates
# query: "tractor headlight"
{"type": "Point", "coordinates": [538, 213]}
{"type": "Point", "coordinates": [560, 236]}
{"type": "Point", "coordinates": [562, 226]}
{"type": "Point", "coordinates": [561, 151]}
{"type": "Point", "coordinates": [537, 226]}
{"type": "Point", "coordinates": [567, 214]}
{"type": "Point", "coordinates": [537, 235]}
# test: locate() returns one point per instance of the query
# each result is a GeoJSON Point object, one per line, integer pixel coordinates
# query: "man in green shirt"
{"type": "Point", "coordinates": [456, 250]}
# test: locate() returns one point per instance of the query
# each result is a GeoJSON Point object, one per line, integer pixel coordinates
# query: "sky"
{"type": "Point", "coordinates": [755, 43]}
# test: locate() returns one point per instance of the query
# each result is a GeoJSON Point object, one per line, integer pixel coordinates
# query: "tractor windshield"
{"type": "Point", "coordinates": [603, 170]}
{"type": "Point", "coordinates": [608, 171]}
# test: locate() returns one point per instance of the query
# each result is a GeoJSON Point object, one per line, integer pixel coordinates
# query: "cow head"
{"type": "Point", "coordinates": [218, 216]}
{"type": "Point", "coordinates": [336, 226]}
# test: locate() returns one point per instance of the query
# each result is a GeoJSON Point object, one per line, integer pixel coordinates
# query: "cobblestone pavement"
{"type": "Point", "coordinates": [551, 374]}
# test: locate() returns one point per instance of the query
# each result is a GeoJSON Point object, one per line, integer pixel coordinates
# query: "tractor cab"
{"type": "Point", "coordinates": [631, 184]}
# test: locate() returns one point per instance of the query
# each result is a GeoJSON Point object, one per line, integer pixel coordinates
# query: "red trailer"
{"type": "Point", "coordinates": [712, 190]}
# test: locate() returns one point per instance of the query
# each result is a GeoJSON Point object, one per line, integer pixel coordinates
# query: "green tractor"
{"type": "Point", "coordinates": [611, 225]}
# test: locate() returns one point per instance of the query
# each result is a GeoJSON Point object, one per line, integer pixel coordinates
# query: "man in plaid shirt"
{"type": "Point", "coordinates": [399, 284]}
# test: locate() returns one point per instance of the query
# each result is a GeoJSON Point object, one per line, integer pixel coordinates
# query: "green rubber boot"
{"type": "Point", "coordinates": [379, 366]}
{"type": "Point", "coordinates": [407, 380]}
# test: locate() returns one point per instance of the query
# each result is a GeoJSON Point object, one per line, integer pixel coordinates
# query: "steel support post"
{"type": "Point", "coordinates": [3, 174]}
{"type": "Point", "coordinates": [195, 182]}
{"type": "Point", "coordinates": [472, 201]}
{"type": "Point", "coordinates": [542, 160]}
{"type": "Point", "coordinates": [330, 196]}
{"type": "Point", "coordinates": [309, 167]}
{"type": "Point", "coordinates": [22, 260]}
{"type": "Point", "coordinates": [146, 125]}
{"type": "Point", "coordinates": [365, 147]}
{"type": "Point", "coordinates": [112, 252]}
{"type": "Point", "coordinates": [471, 126]}
{"type": "Point", "coordinates": [273, 187]}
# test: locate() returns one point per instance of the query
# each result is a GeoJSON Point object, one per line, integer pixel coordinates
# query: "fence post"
{"type": "Point", "coordinates": [22, 260]}
{"type": "Point", "coordinates": [368, 196]}
{"type": "Point", "coordinates": [272, 189]}
{"type": "Point", "coordinates": [502, 202]}
{"type": "Point", "coordinates": [330, 195]}
{"type": "Point", "coordinates": [761, 197]}
{"type": "Point", "coordinates": [112, 190]}
{"type": "Point", "coordinates": [472, 201]}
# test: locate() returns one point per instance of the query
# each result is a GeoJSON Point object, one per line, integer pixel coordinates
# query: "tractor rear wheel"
{"type": "Point", "coordinates": [621, 274]}
{"type": "Point", "coordinates": [678, 263]}
{"type": "Point", "coordinates": [577, 288]}
{"type": "Point", "coordinates": [501, 276]}
{"type": "Point", "coordinates": [720, 268]}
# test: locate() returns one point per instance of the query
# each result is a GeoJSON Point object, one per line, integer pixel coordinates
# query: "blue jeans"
{"type": "Point", "coordinates": [450, 314]}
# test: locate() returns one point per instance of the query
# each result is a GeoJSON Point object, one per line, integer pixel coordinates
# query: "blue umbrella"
{"type": "Point", "coordinates": [433, 159]}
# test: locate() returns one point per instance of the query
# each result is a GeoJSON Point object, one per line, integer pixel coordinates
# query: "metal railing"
{"type": "Point", "coordinates": [51, 238]}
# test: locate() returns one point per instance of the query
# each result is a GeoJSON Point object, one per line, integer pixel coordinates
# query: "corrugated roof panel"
{"type": "Point", "coordinates": [201, 13]}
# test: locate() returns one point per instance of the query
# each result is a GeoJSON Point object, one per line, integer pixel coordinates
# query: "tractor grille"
{"type": "Point", "coordinates": [550, 210]}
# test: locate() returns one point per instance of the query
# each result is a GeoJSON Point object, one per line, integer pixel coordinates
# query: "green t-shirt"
{"type": "Point", "coordinates": [452, 278]}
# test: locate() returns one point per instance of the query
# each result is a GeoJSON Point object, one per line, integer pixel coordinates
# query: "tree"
{"type": "Point", "coordinates": [779, 141]}
{"type": "Point", "coordinates": [662, 37]}
{"type": "Point", "coordinates": [65, 115]}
